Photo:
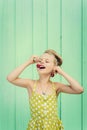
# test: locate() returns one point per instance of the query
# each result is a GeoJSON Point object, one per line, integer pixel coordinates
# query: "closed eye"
{"type": "Point", "coordinates": [40, 60]}
{"type": "Point", "coordinates": [47, 61]}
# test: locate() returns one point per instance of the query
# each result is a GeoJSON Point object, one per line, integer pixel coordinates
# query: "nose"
{"type": "Point", "coordinates": [42, 61]}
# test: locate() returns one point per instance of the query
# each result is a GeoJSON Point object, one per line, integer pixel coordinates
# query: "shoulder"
{"type": "Point", "coordinates": [31, 83]}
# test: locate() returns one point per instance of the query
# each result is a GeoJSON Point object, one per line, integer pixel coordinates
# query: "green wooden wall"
{"type": "Point", "coordinates": [29, 27]}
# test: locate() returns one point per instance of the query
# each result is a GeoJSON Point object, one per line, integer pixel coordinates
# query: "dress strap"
{"type": "Point", "coordinates": [34, 87]}
{"type": "Point", "coordinates": [53, 86]}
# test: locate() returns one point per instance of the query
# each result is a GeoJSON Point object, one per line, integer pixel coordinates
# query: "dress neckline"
{"type": "Point", "coordinates": [35, 86]}
{"type": "Point", "coordinates": [47, 95]}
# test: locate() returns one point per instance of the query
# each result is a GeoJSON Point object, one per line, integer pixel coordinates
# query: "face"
{"type": "Point", "coordinates": [45, 64]}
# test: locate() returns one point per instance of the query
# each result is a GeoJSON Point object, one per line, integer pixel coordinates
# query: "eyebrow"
{"type": "Point", "coordinates": [43, 58]}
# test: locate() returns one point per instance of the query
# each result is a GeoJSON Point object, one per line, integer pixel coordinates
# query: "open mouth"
{"type": "Point", "coordinates": [40, 66]}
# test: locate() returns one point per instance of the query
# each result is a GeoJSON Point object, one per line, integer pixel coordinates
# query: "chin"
{"type": "Point", "coordinates": [43, 73]}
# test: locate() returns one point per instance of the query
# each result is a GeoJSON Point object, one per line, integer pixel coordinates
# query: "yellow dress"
{"type": "Point", "coordinates": [44, 114]}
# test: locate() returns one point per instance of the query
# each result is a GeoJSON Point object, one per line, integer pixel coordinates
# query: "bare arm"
{"type": "Point", "coordinates": [73, 88]}
{"type": "Point", "coordinates": [13, 77]}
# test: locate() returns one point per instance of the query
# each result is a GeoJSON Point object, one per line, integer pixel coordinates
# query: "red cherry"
{"type": "Point", "coordinates": [52, 74]}
{"type": "Point", "coordinates": [38, 65]}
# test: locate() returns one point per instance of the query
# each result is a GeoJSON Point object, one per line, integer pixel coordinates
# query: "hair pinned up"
{"type": "Point", "coordinates": [57, 57]}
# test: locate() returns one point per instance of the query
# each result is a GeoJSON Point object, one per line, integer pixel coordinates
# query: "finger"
{"type": "Point", "coordinates": [34, 59]}
{"type": "Point", "coordinates": [55, 71]}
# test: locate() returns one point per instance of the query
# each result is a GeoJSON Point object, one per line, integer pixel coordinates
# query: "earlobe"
{"type": "Point", "coordinates": [52, 74]}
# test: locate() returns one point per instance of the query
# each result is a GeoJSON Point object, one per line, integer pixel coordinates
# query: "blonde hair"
{"type": "Point", "coordinates": [58, 58]}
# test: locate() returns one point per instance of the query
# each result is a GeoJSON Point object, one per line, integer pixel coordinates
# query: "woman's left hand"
{"type": "Point", "coordinates": [58, 70]}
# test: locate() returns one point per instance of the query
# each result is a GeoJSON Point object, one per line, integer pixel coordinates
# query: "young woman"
{"type": "Point", "coordinates": [43, 92]}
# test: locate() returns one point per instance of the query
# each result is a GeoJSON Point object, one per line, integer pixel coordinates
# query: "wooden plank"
{"type": "Point", "coordinates": [7, 62]}
{"type": "Point", "coordinates": [84, 60]}
{"type": "Point", "coordinates": [54, 25]}
{"type": "Point", "coordinates": [71, 48]}
{"type": "Point", "coordinates": [23, 53]}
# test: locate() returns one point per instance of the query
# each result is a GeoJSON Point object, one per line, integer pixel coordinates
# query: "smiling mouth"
{"type": "Point", "coordinates": [40, 66]}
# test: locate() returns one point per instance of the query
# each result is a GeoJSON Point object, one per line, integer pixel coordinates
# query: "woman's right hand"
{"type": "Point", "coordinates": [34, 59]}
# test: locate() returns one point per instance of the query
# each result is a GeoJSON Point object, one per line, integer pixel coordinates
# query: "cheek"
{"type": "Point", "coordinates": [50, 67]}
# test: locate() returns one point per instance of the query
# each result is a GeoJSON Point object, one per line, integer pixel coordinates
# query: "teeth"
{"type": "Point", "coordinates": [40, 66]}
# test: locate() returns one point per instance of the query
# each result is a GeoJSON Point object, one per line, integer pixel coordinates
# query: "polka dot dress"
{"type": "Point", "coordinates": [44, 112]}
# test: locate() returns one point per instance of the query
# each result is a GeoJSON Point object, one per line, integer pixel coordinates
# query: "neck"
{"type": "Point", "coordinates": [44, 82]}
{"type": "Point", "coordinates": [43, 79]}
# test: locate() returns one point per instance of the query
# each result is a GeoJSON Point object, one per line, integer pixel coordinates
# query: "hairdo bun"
{"type": "Point", "coordinates": [57, 57]}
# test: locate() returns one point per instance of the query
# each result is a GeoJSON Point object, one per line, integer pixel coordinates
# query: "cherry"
{"type": "Point", "coordinates": [38, 65]}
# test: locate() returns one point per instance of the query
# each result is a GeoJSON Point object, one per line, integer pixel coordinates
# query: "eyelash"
{"type": "Point", "coordinates": [45, 61]}
{"type": "Point", "coordinates": [40, 60]}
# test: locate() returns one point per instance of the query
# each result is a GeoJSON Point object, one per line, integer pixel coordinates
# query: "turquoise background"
{"type": "Point", "coordinates": [29, 27]}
